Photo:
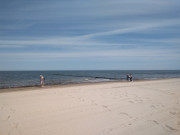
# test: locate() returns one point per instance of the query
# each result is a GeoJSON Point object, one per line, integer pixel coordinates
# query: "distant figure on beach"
{"type": "Point", "coordinates": [127, 77]}
{"type": "Point", "coordinates": [130, 77]}
{"type": "Point", "coordinates": [42, 80]}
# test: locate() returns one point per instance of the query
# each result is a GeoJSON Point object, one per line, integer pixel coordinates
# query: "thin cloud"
{"type": "Point", "coordinates": [87, 39]}
{"type": "Point", "coordinates": [136, 28]}
{"type": "Point", "coordinates": [104, 53]}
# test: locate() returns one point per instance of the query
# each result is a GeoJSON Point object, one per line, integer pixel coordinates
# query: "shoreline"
{"type": "Point", "coordinates": [28, 88]}
{"type": "Point", "coordinates": [30, 79]}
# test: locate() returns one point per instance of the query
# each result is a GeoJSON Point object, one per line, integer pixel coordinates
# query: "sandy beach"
{"type": "Point", "coordinates": [116, 108]}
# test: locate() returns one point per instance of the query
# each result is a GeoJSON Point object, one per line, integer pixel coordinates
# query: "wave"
{"type": "Point", "coordinates": [96, 77]}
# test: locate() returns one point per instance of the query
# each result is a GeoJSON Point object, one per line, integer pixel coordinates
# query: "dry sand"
{"type": "Point", "coordinates": [121, 108]}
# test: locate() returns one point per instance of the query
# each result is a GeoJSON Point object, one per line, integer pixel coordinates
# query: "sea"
{"type": "Point", "coordinates": [11, 79]}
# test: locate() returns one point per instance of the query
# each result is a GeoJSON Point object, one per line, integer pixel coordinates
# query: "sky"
{"type": "Point", "coordinates": [89, 35]}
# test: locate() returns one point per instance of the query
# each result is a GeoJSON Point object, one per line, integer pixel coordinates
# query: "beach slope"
{"type": "Point", "coordinates": [117, 108]}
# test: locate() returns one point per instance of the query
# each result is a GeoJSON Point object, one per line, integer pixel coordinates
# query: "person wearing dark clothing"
{"type": "Point", "coordinates": [130, 77]}
{"type": "Point", "coordinates": [127, 77]}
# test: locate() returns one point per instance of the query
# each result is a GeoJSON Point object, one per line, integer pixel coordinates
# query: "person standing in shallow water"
{"type": "Point", "coordinates": [130, 77]}
{"type": "Point", "coordinates": [127, 77]}
{"type": "Point", "coordinates": [42, 80]}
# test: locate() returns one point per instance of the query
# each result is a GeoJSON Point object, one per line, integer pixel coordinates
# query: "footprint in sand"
{"type": "Point", "coordinates": [107, 131]}
{"type": "Point", "coordinates": [81, 99]}
{"type": "Point", "coordinates": [170, 128]}
{"type": "Point", "coordinates": [153, 107]}
{"type": "Point", "coordinates": [12, 110]}
{"type": "Point", "coordinates": [7, 118]}
{"type": "Point", "coordinates": [154, 121]}
{"type": "Point", "coordinates": [173, 113]}
{"type": "Point", "coordinates": [126, 114]}
{"type": "Point", "coordinates": [104, 106]}
{"type": "Point", "coordinates": [131, 102]}
{"type": "Point", "coordinates": [94, 102]}
{"type": "Point", "coordinates": [15, 125]}
{"type": "Point", "coordinates": [123, 113]}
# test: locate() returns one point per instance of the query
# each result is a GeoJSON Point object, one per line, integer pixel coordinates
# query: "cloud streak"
{"type": "Point", "coordinates": [95, 54]}
{"type": "Point", "coordinates": [85, 39]}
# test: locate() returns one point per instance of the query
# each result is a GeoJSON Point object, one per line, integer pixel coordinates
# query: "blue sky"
{"type": "Point", "coordinates": [89, 34]}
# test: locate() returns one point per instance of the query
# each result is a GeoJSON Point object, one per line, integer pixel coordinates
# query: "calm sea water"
{"type": "Point", "coordinates": [31, 78]}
